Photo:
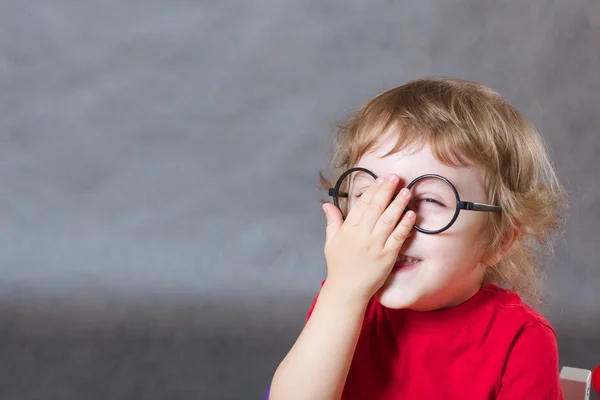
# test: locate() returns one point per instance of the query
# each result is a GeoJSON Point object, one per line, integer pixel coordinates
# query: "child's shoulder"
{"type": "Point", "coordinates": [509, 305]}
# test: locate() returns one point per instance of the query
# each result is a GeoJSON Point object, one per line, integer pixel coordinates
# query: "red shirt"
{"type": "Point", "coordinates": [493, 346]}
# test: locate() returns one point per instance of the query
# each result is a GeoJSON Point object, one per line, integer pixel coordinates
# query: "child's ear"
{"type": "Point", "coordinates": [510, 237]}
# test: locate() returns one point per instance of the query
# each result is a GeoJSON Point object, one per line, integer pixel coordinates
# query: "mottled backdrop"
{"type": "Point", "coordinates": [161, 233]}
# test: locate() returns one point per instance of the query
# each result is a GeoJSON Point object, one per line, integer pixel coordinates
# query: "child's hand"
{"type": "Point", "coordinates": [362, 250]}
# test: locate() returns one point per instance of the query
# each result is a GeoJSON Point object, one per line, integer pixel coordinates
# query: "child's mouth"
{"type": "Point", "coordinates": [406, 261]}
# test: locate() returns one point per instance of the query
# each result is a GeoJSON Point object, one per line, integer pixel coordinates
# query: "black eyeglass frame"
{"type": "Point", "coordinates": [460, 205]}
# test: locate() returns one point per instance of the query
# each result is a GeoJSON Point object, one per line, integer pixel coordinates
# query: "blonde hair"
{"type": "Point", "coordinates": [465, 123]}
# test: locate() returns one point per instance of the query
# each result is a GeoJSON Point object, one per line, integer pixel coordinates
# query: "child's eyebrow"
{"type": "Point", "coordinates": [461, 188]}
{"type": "Point", "coordinates": [363, 176]}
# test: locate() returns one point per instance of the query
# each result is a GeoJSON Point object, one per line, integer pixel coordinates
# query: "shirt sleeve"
{"type": "Point", "coordinates": [531, 370]}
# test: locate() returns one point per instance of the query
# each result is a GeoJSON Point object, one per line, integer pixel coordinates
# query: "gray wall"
{"type": "Point", "coordinates": [161, 232]}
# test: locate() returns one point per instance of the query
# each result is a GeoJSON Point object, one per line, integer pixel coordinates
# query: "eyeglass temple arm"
{"type": "Point", "coordinates": [467, 205]}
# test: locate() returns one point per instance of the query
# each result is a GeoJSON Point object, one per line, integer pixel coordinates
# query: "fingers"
{"type": "Point", "coordinates": [401, 232]}
{"type": "Point", "coordinates": [390, 217]}
{"type": "Point", "coordinates": [358, 209]}
{"type": "Point", "coordinates": [379, 202]}
{"type": "Point", "coordinates": [334, 220]}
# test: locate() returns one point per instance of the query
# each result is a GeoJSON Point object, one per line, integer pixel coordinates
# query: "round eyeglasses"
{"type": "Point", "coordinates": [434, 199]}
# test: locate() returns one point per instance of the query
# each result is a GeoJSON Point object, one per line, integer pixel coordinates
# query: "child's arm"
{"type": "Point", "coordinates": [360, 253]}
{"type": "Point", "coordinates": [317, 365]}
{"type": "Point", "coordinates": [531, 371]}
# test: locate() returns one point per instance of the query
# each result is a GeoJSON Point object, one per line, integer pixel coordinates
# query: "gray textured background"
{"type": "Point", "coordinates": [161, 233]}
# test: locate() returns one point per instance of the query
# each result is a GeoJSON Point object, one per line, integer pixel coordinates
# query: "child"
{"type": "Point", "coordinates": [416, 303]}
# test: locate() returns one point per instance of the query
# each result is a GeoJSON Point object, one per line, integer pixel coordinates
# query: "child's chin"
{"type": "Point", "coordinates": [394, 298]}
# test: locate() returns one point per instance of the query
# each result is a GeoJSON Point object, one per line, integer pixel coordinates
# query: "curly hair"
{"type": "Point", "coordinates": [466, 123]}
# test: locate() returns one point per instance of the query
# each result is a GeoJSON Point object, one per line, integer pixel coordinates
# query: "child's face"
{"type": "Point", "coordinates": [451, 268]}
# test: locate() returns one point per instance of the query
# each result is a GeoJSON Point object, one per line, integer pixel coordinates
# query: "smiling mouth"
{"type": "Point", "coordinates": [404, 261]}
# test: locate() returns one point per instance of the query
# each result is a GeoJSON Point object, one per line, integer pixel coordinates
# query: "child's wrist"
{"type": "Point", "coordinates": [337, 296]}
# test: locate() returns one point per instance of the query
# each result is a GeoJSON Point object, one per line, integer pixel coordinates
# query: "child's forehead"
{"type": "Point", "coordinates": [409, 164]}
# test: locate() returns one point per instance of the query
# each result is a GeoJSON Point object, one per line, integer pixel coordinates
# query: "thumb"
{"type": "Point", "coordinates": [334, 220]}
